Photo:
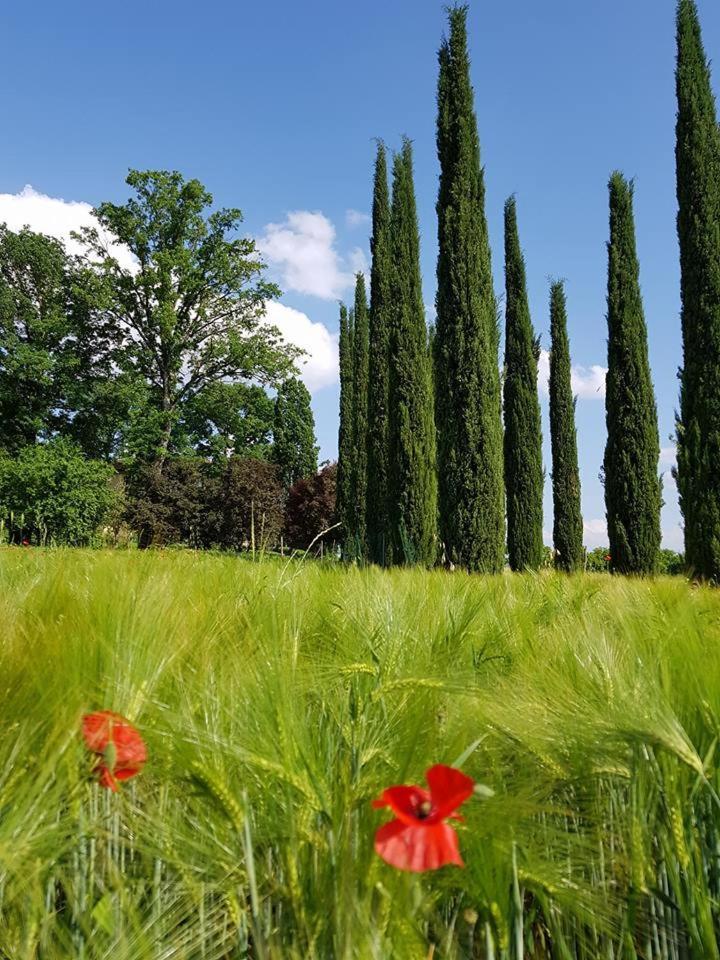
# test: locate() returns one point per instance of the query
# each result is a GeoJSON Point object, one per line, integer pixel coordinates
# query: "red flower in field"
{"type": "Point", "coordinates": [608, 558]}
{"type": "Point", "coordinates": [118, 743]}
{"type": "Point", "coordinates": [419, 839]}
{"type": "Point", "coordinates": [26, 542]}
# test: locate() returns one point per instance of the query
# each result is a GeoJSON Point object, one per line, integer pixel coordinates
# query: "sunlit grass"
{"type": "Point", "coordinates": [277, 699]}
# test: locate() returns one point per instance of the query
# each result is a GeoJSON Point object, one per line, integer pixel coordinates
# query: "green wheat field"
{"type": "Point", "coordinates": [278, 698]}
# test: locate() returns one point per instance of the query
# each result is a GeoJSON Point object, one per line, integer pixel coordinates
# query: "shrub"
{"type": "Point", "coordinates": [596, 561]}
{"type": "Point", "coordinates": [175, 505]}
{"type": "Point", "coordinates": [50, 493]}
{"type": "Point", "coordinates": [311, 509]}
{"type": "Point", "coordinates": [671, 563]}
{"type": "Point", "coordinates": [199, 504]}
{"type": "Point", "coordinates": [252, 504]}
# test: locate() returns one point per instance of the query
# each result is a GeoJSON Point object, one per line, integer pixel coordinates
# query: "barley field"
{"type": "Point", "coordinates": [278, 698]}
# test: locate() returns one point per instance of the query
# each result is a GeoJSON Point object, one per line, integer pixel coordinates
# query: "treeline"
{"type": "Point", "coordinates": [440, 454]}
{"type": "Point", "coordinates": [134, 384]}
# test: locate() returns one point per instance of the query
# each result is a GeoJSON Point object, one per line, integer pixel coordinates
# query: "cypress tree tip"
{"type": "Point", "coordinates": [457, 17]}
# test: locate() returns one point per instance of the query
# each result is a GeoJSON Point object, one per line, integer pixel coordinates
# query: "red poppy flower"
{"type": "Point", "coordinates": [119, 744]}
{"type": "Point", "coordinates": [608, 558]}
{"type": "Point", "coordinates": [419, 839]}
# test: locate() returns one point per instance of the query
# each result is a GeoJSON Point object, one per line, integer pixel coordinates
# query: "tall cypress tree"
{"type": "Point", "coordinates": [523, 430]}
{"type": "Point", "coordinates": [378, 384]}
{"type": "Point", "coordinates": [361, 347]}
{"type": "Point", "coordinates": [567, 513]}
{"type": "Point", "coordinates": [294, 448]}
{"type": "Point", "coordinates": [346, 446]}
{"type": "Point", "coordinates": [468, 402]}
{"type": "Point", "coordinates": [632, 484]}
{"type": "Point", "coordinates": [413, 481]}
{"type": "Point", "coordinates": [698, 191]}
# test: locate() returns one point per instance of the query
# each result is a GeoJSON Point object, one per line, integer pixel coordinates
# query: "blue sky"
{"type": "Point", "coordinates": [275, 106]}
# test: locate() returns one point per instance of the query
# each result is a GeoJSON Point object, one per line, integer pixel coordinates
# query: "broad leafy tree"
{"type": "Point", "coordinates": [35, 335]}
{"type": "Point", "coordinates": [294, 449]}
{"type": "Point", "coordinates": [229, 419]}
{"type": "Point", "coordinates": [190, 313]}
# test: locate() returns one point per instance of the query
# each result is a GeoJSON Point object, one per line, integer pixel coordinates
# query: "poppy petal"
{"type": "Point", "coordinates": [107, 733]}
{"type": "Point", "coordinates": [129, 744]}
{"type": "Point", "coordinates": [96, 730]}
{"type": "Point", "coordinates": [125, 773]}
{"type": "Point", "coordinates": [417, 848]}
{"type": "Point", "coordinates": [106, 778]}
{"type": "Point", "coordinates": [404, 801]}
{"type": "Point", "coordinates": [449, 788]}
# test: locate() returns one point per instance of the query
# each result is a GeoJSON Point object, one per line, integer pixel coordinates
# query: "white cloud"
{"type": "Point", "coordinates": [359, 262]}
{"type": "Point", "coordinates": [668, 456]}
{"type": "Point", "coordinates": [355, 218]}
{"type": "Point", "coordinates": [595, 533]}
{"type": "Point", "coordinates": [320, 367]}
{"type": "Point", "coordinates": [673, 538]}
{"type": "Point", "coordinates": [303, 250]}
{"type": "Point", "coordinates": [588, 383]}
{"type": "Point", "coordinates": [56, 218]}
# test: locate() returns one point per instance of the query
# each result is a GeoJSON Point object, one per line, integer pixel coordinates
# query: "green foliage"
{"type": "Point", "coordinates": [178, 505]}
{"type": "Point", "coordinates": [35, 330]}
{"type": "Point", "coordinates": [567, 515]}
{"type": "Point", "coordinates": [378, 449]}
{"type": "Point", "coordinates": [524, 477]}
{"type": "Point", "coordinates": [698, 192]}
{"type": "Point", "coordinates": [346, 441]}
{"type": "Point", "coordinates": [278, 699]}
{"type": "Point", "coordinates": [294, 449]}
{"type": "Point", "coordinates": [229, 419]}
{"type": "Point", "coordinates": [467, 400]}
{"type": "Point", "coordinates": [192, 315]}
{"type": "Point", "coordinates": [671, 563]}
{"type": "Point", "coordinates": [311, 510]}
{"type": "Point", "coordinates": [632, 483]}
{"type": "Point", "coordinates": [51, 494]}
{"type": "Point", "coordinates": [412, 480]}
{"type": "Point", "coordinates": [598, 560]}
{"type": "Point", "coordinates": [252, 502]}
{"type": "Point", "coordinates": [361, 359]}
{"type": "Point", "coordinates": [238, 505]}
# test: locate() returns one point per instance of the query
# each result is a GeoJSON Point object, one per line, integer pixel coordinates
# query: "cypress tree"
{"type": "Point", "coordinates": [632, 484]}
{"type": "Point", "coordinates": [468, 401]}
{"type": "Point", "coordinates": [346, 447]}
{"type": "Point", "coordinates": [361, 347]}
{"type": "Point", "coordinates": [567, 514]}
{"type": "Point", "coordinates": [294, 448]}
{"type": "Point", "coordinates": [698, 191]}
{"type": "Point", "coordinates": [413, 481]}
{"type": "Point", "coordinates": [378, 384]}
{"type": "Point", "coordinates": [523, 431]}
